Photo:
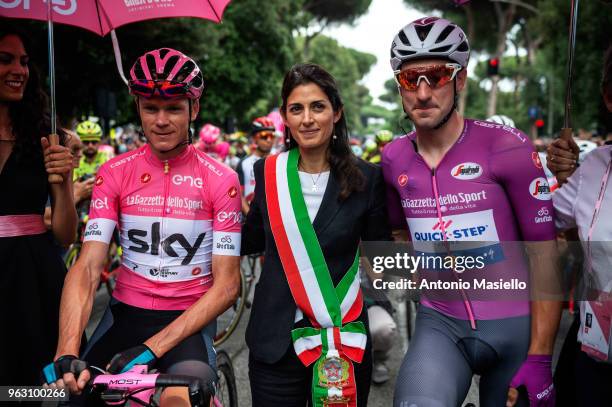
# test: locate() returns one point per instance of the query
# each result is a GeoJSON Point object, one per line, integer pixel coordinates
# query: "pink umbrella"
{"type": "Point", "coordinates": [277, 119]}
{"type": "Point", "coordinates": [102, 17]}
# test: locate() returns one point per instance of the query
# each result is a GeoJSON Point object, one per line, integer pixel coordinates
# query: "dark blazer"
{"type": "Point", "coordinates": [339, 226]}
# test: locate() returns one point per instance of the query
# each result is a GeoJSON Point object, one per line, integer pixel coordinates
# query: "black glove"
{"type": "Point", "coordinates": [64, 364]}
{"type": "Point", "coordinates": [138, 355]}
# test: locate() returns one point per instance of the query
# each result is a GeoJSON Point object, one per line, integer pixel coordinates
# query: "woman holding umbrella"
{"type": "Point", "coordinates": [314, 203]}
{"type": "Point", "coordinates": [31, 271]}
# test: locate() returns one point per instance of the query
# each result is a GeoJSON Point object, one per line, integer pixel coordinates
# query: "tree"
{"type": "Point", "coordinates": [592, 38]}
{"type": "Point", "coordinates": [243, 63]}
{"type": "Point", "coordinates": [324, 13]}
{"type": "Point", "coordinates": [348, 66]}
{"type": "Point", "coordinates": [338, 11]}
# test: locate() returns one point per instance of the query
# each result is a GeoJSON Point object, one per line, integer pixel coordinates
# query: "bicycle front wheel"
{"type": "Point", "coordinates": [227, 392]}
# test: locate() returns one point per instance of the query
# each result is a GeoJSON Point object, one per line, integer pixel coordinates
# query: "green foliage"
{"type": "Point", "coordinates": [535, 81]}
{"type": "Point", "coordinates": [592, 38]}
{"type": "Point", "coordinates": [243, 59]}
{"type": "Point", "coordinates": [345, 11]}
{"type": "Point", "coordinates": [391, 95]}
{"type": "Point", "coordinates": [348, 67]}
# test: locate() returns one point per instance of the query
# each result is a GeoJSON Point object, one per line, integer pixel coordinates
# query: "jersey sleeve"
{"type": "Point", "coordinates": [564, 201]}
{"type": "Point", "coordinates": [227, 215]}
{"type": "Point", "coordinates": [518, 169]}
{"type": "Point", "coordinates": [104, 207]}
{"type": "Point", "coordinates": [395, 212]}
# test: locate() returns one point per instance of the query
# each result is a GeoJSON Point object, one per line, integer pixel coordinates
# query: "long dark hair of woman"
{"type": "Point", "coordinates": [30, 117]}
{"type": "Point", "coordinates": [342, 161]}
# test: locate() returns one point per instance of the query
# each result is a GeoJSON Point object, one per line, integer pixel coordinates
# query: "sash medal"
{"type": "Point", "coordinates": [336, 339]}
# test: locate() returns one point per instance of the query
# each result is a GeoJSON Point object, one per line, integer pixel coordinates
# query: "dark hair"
{"type": "Point", "coordinates": [606, 83]}
{"type": "Point", "coordinates": [342, 161]}
{"type": "Point", "coordinates": [29, 117]}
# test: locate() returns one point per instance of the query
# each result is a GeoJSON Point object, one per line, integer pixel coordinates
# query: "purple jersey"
{"type": "Point", "coordinates": [488, 188]}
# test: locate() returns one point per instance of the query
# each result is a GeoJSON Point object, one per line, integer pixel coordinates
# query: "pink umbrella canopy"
{"type": "Point", "coordinates": [102, 16]}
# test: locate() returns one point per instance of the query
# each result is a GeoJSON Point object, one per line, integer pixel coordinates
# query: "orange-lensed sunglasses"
{"type": "Point", "coordinates": [436, 76]}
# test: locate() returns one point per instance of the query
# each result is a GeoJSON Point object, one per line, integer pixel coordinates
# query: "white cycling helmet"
{"type": "Point", "coordinates": [586, 147]}
{"type": "Point", "coordinates": [430, 37]}
{"type": "Point", "coordinates": [501, 119]}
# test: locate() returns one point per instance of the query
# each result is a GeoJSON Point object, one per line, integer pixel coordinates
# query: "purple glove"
{"type": "Point", "coordinates": [536, 375]}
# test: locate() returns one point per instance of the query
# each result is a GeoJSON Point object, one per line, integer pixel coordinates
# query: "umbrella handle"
{"type": "Point", "coordinates": [567, 135]}
{"type": "Point", "coordinates": [54, 178]}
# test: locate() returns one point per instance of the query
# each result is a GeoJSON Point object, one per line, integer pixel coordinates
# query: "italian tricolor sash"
{"type": "Point", "coordinates": [337, 340]}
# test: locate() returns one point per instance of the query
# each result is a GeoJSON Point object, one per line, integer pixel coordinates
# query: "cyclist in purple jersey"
{"type": "Point", "coordinates": [455, 179]}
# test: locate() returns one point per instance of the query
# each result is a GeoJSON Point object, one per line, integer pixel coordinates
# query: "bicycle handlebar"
{"type": "Point", "coordinates": [197, 395]}
{"type": "Point", "coordinates": [120, 386]}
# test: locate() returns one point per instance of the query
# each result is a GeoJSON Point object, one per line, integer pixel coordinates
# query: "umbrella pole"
{"type": "Point", "coordinates": [118, 55]}
{"type": "Point", "coordinates": [567, 131]}
{"type": "Point", "coordinates": [53, 137]}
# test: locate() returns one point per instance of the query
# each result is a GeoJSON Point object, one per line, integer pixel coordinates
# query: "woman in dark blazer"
{"type": "Point", "coordinates": [343, 197]}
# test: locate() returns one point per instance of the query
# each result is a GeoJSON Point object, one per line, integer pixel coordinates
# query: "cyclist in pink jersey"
{"type": "Point", "coordinates": [451, 180]}
{"type": "Point", "coordinates": [178, 213]}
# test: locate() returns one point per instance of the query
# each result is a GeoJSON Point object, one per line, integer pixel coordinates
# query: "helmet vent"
{"type": "Point", "coordinates": [197, 81]}
{"type": "Point", "coordinates": [138, 72]}
{"type": "Point", "coordinates": [440, 49]}
{"type": "Point", "coordinates": [445, 33]}
{"type": "Point", "coordinates": [405, 53]}
{"type": "Point", "coordinates": [185, 70]}
{"type": "Point", "coordinates": [423, 31]}
{"type": "Point", "coordinates": [163, 52]}
{"type": "Point", "coordinates": [403, 38]}
{"type": "Point", "coordinates": [170, 65]}
{"type": "Point", "coordinates": [151, 65]}
{"type": "Point", "coordinates": [463, 47]}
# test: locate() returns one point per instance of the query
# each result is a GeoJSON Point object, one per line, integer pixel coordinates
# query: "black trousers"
{"type": "Point", "coordinates": [581, 381]}
{"type": "Point", "coordinates": [287, 382]}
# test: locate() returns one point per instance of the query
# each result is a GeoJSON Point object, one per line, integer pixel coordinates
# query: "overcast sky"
{"type": "Point", "coordinates": [373, 33]}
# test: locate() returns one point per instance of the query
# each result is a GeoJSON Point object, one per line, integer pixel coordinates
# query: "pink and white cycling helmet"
{"type": "Point", "coordinates": [430, 37]}
{"type": "Point", "coordinates": [209, 134]}
{"type": "Point", "coordinates": [166, 72]}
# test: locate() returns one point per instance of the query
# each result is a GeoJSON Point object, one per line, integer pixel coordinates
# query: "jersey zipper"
{"type": "Point", "coordinates": [464, 296]}
{"type": "Point", "coordinates": [163, 217]}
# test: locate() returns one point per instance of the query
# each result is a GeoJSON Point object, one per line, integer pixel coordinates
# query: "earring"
{"type": "Point", "coordinates": [335, 137]}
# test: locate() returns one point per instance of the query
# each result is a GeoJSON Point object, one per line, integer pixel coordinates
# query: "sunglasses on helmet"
{"type": "Point", "coordinates": [436, 76]}
{"type": "Point", "coordinates": [165, 89]}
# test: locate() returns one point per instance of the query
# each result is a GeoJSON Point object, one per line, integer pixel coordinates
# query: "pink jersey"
{"type": "Point", "coordinates": [172, 217]}
{"type": "Point", "coordinates": [488, 189]}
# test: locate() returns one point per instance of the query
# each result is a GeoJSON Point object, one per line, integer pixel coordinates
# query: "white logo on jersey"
{"type": "Point", "coordinates": [543, 216]}
{"type": "Point", "coordinates": [477, 227]}
{"type": "Point", "coordinates": [539, 189]}
{"type": "Point", "coordinates": [100, 203]}
{"type": "Point", "coordinates": [126, 159]}
{"type": "Point", "coordinates": [179, 179]}
{"type": "Point", "coordinates": [448, 199]}
{"type": "Point", "coordinates": [210, 166]}
{"type": "Point", "coordinates": [235, 217]}
{"type": "Point", "coordinates": [465, 171]}
{"type": "Point", "coordinates": [509, 129]}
